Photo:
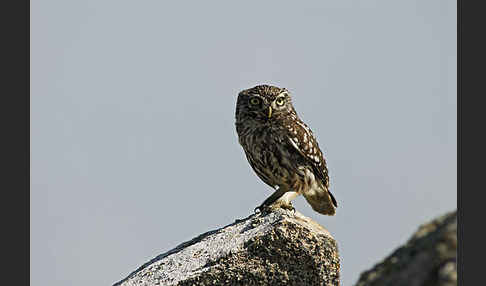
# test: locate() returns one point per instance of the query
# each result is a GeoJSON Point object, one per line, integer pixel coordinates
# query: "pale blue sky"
{"type": "Point", "coordinates": [133, 146]}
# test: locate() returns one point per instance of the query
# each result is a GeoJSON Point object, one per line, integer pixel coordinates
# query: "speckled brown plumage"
{"type": "Point", "coordinates": [281, 149]}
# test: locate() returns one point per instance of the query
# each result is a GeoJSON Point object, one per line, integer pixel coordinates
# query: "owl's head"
{"type": "Point", "coordinates": [264, 103]}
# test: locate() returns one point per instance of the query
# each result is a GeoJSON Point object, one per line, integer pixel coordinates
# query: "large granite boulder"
{"type": "Point", "coordinates": [276, 248]}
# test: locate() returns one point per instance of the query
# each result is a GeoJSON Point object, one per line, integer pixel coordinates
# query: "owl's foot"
{"type": "Point", "coordinates": [263, 208]}
{"type": "Point", "coordinates": [288, 206]}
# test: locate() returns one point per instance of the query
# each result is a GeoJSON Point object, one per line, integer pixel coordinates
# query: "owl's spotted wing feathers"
{"type": "Point", "coordinates": [302, 139]}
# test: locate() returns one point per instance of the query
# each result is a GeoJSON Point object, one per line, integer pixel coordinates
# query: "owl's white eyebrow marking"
{"type": "Point", "coordinates": [282, 93]}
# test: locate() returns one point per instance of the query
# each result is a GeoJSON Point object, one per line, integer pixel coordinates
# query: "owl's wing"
{"type": "Point", "coordinates": [303, 141]}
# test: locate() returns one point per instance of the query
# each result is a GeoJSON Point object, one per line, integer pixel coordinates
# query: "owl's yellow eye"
{"type": "Point", "coordinates": [280, 101]}
{"type": "Point", "coordinates": [255, 101]}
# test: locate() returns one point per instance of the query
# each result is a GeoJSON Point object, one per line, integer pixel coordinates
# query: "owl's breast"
{"type": "Point", "coordinates": [272, 158]}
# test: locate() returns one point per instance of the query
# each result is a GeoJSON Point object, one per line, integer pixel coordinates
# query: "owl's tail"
{"type": "Point", "coordinates": [321, 200]}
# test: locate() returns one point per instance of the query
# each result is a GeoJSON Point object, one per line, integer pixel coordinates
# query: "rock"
{"type": "Point", "coordinates": [427, 259]}
{"type": "Point", "coordinates": [277, 248]}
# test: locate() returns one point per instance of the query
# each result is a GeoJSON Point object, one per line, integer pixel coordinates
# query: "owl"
{"type": "Point", "coordinates": [282, 150]}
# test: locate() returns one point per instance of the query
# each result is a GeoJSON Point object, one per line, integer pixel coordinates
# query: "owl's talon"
{"type": "Point", "coordinates": [261, 209]}
{"type": "Point", "coordinates": [258, 209]}
{"type": "Point", "coordinates": [289, 207]}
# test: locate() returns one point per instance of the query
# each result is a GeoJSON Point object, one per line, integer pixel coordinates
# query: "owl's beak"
{"type": "Point", "coordinates": [269, 112]}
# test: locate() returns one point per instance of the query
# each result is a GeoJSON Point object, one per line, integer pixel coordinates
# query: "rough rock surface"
{"type": "Point", "coordinates": [276, 248]}
{"type": "Point", "coordinates": [427, 259]}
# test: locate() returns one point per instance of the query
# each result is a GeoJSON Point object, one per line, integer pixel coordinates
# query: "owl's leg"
{"type": "Point", "coordinates": [285, 201]}
{"type": "Point", "coordinates": [280, 198]}
{"type": "Point", "coordinates": [270, 200]}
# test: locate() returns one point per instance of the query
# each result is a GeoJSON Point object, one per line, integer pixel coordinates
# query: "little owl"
{"type": "Point", "coordinates": [282, 150]}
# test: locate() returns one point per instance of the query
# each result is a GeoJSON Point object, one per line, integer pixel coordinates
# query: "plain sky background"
{"type": "Point", "coordinates": [133, 144]}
